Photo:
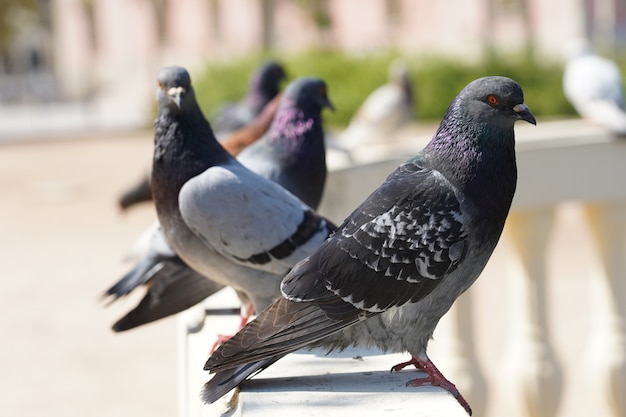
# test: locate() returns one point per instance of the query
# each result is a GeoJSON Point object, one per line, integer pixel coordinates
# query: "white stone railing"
{"type": "Point", "coordinates": [559, 163]}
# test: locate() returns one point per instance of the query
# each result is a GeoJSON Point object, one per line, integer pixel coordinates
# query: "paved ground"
{"type": "Point", "coordinates": [62, 241]}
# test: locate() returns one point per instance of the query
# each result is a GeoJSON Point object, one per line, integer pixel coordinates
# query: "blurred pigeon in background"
{"type": "Point", "coordinates": [593, 85]}
{"type": "Point", "coordinates": [264, 85]}
{"type": "Point", "coordinates": [294, 143]}
{"type": "Point", "coordinates": [238, 140]}
{"type": "Point", "coordinates": [171, 285]}
{"type": "Point", "coordinates": [234, 143]}
{"type": "Point", "coordinates": [398, 262]}
{"type": "Point", "coordinates": [139, 192]}
{"type": "Point", "coordinates": [292, 153]}
{"type": "Point", "coordinates": [386, 110]}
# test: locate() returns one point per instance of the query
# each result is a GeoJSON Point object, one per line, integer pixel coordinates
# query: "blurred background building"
{"type": "Point", "coordinates": [53, 50]}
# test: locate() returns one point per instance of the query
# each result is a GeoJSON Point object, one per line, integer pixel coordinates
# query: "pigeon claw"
{"type": "Point", "coordinates": [401, 366]}
{"type": "Point", "coordinates": [435, 377]}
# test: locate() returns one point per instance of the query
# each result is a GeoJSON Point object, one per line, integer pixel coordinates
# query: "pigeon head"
{"type": "Point", "coordinates": [174, 91]}
{"type": "Point", "coordinates": [474, 146]}
{"type": "Point", "coordinates": [268, 77]}
{"type": "Point", "coordinates": [498, 101]}
{"type": "Point", "coordinates": [307, 92]}
{"type": "Point", "coordinates": [265, 84]}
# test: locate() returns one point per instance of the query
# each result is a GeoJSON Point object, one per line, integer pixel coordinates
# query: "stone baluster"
{"type": "Point", "coordinates": [532, 379]}
{"type": "Point", "coordinates": [456, 355]}
{"type": "Point", "coordinates": [605, 358]}
{"type": "Point", "coordinates": [193, 341]}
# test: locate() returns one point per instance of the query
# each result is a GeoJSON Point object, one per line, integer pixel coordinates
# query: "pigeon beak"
{"type": "Point", "coordinates": [177, 93]}
{"type": "Point", "coordinates": [327, 104]}
{"type": "Point", "coordinates": [524, 113]}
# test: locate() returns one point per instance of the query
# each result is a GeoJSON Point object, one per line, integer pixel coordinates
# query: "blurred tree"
{"type": "Point", "coordinates": [320, 15]}
{"type": "Point", "coordinates": [18, 16]}
{"type": "Point", "coordinates": [8, 11]}
{"type": "Point", "coordinates": [319, 12]}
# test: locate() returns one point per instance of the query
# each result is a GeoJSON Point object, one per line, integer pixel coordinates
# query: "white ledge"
{"type": "Point", "coordinates": [312, 383]}
{"type": "Point", "coordinates": [557, 161]}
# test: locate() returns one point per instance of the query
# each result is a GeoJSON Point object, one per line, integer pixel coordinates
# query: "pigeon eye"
{"type": "Point", "coordinates": [159, 85]}
{"type": "Point", "coordinates": [493, 100]}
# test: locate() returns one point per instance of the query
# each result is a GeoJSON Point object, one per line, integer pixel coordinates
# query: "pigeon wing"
{"type": "Point", "coordinates": [248, 219]}
{"type": "Point", "coordinates": [393, 249]}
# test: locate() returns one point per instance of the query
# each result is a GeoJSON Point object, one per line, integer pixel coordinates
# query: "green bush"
{"type": "Point", "coordinates": [351, 78]}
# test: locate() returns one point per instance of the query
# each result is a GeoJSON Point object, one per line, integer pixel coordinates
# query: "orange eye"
{"type": "Point", "coordinates": [493, 100]}
{"type": "Point", "coordinates": [159, 84]}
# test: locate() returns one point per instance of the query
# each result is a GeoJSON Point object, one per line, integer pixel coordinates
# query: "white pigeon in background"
{"type": "Point", "coordinates": [384, 111]}
{"type": "Point", "coordinates": [593, 85]}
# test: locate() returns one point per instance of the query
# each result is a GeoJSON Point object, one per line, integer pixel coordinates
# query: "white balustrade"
{"type": "Point", "coordinates": [531, 376]}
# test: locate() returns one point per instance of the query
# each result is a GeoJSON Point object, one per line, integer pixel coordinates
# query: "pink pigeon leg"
{"type": "Point", "coordinates": [435, 377]}
{"type": "Point", "coordinates": [221, 338]}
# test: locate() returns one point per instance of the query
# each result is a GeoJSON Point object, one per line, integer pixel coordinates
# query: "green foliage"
{"type": "Point", "coordinates": [351, 78]}
{"type": "Point", "coordinates": [438, 81]}
{"type": "Point", "coordinates": [8, 10]}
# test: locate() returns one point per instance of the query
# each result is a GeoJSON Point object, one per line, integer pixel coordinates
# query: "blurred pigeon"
{"type": "Point", "coordinates": [264, 86]}
{"type": "Point", "coordinates": [593, 85]}
{"type": "Point", "coordinates": [234, 143]}
{"type": "Point", "coordinates": [238, 140]}
{"type": "Point", "coordinates": [139, 192]}
{"type": "Point", "coordinates": [291, 153]}
{"type": "Point", "coordinates": [172, 286]}
{"type": "Point", "coordinates": [387, 109]}
{"type": "Point", "coordinates": [223, 220]}
{"type": "Point", "coordinates": [397, 263]}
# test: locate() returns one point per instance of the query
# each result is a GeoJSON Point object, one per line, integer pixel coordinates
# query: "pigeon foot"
{"type": "Point", "coordinates": [435, 377]}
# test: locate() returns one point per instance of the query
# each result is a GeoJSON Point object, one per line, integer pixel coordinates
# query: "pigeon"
{"type": "Point", "coordinates": [234, 143]}
{"type": "Point", "coordinates": [395, 265]}
{"type": "Point", "coordinates": [139, 192]}
{"type": "Point", "coordinates": [291, 153]}
{"type": "Point", "coordinates": [172, 286]}
{"type": "Point", "coordinates": [264, 86]}
{"type": "Point", "coordinates": [223, 220]}
{"type": "Point", "coordinates": [241, 138]}
{"type": "Point", "coordinates": [386, 110]}
{"type": "Point", "coordinates": [593, 86]}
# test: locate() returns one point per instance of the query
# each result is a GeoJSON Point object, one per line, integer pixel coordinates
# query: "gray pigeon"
{"type": "Point", "coordinates": [291, 153]}
{"type": "Point", "coordinates": [171, 285]}
{"type": "Point", "coordinates": [223, 220]}
{"type": "Point", "coordinates": [593, 85]}
{"type": "Point", "coordinates": [397, 263]}
{"type": "Point", "coordinates": [386, 110]}
{"type": "Point", "coordinates": [264, 86]}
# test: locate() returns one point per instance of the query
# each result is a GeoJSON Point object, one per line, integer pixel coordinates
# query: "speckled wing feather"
{"type": "Point", "coordinates": [395, 247]}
